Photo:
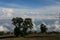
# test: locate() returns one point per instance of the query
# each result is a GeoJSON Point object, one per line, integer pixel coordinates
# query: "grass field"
{"type": "Point", "coordinates": [32, 37]}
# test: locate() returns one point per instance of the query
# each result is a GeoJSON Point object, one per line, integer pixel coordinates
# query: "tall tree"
{"type": "Point", "coordinates": [17, 23]}
{"type": "Point", "coordinates": [27, 24]}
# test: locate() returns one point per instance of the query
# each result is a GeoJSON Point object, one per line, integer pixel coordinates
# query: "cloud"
{"type": "Point", "coordinates": [7, 13]}
{"type": "Point", "coordinates": [48, 12]}
{"type": "Point", "coordinates": [1, 28]}
{"type": "Point", "coordinates": [7, 10]}
{"type": "Point", "coordinates": [54, 27]}
{"type": "Point", "coordinates": [4, 29]}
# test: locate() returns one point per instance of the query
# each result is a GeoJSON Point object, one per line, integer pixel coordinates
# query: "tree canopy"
{"type": "Point", "coordinates": [43, 28]}
{"type": "Point", "coordinates": [19, 23]}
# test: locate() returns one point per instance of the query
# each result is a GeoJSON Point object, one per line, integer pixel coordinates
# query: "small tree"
{"type": "Point", "coordinates": [43, 28]}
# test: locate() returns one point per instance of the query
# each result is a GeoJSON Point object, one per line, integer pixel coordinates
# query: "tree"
{"type": "Point", "coordinates": [20, 24]}
{"type": "Point", "coordinates": [43, 28]}
{"type": "Point", "coordinates": [17, 23]}
{"type": "Point", "coordinates": [16, 31]}
{"type": "Point", "coordinates": [27, 24]}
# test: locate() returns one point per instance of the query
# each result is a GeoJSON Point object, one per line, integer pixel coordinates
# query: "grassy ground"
{"type": "Point", "coordinates": [32, 37]}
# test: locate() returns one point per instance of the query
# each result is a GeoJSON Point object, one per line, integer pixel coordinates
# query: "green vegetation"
{"type": "Point", "coordinates": [21, 25]}
{"type": "Point", "coordinates": [17, 23]}
{"type": "Point", "coordinates": [43, 28]}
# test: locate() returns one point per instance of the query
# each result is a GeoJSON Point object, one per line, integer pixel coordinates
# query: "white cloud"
{"type": "Point", "coordinates": [7, 13]}
{"type": "Point", "coordinates": [1, 28]}
{"type": "Point", "coordinates": [48, 12]}
{"type": "Point", "coordinates": [4, 29]}
{"type": "Point", "coordinates": [54, 27]}
{"type": "Point", "coordinates": [51, 12]}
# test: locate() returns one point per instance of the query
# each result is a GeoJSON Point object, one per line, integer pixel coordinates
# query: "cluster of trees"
{"type": "Point", "coordinates": [21, 26]}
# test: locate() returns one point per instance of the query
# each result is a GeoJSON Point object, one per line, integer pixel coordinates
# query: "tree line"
{"type": "Point", "coordinates": [22, 25]}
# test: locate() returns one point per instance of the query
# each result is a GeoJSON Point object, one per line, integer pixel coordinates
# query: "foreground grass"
{"type": "Point", "coordinates": [32, 37]}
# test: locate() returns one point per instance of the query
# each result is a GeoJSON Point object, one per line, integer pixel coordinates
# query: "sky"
{"type": "Point", "coordinates": [35, 9]}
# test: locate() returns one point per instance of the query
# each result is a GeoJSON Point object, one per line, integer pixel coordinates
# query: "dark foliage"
{"type": "Point", "coordinates": [43, 28]}
{"type": "Point", "coordinates": [27, 24]}
{"type": "Point", "coordinates": [16, 31]}
{"type": "Point", "coordinates": [19, 23]}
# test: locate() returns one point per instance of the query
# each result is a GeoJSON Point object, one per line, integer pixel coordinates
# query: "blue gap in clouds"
{"type": "Point", "coordinates": [57, 0]}
{"type": "Point", "coordinates": [29, 3]}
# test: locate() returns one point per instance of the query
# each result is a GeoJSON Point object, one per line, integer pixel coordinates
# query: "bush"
{"type": "Point", "coordinates": [1, 33]}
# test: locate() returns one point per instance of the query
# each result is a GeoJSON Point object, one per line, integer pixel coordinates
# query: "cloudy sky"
{"type": "Point", "coordinates": [35, 9]}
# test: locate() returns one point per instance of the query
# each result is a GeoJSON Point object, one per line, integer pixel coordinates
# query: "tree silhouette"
{"type": "Point", "coordinates": [43, 28]}
{"type": "Point", "coordinates": [20, 24]}
{"type": "Point", "coordinates": [17, 23]}
{"type": "Point", "coordinates": [27, 24]}
{"type": "Point", "coordinates": [16, 31]}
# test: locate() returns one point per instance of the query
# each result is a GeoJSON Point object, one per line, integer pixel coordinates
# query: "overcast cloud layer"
{"type": "Point", "coordinates": [50, 12]}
